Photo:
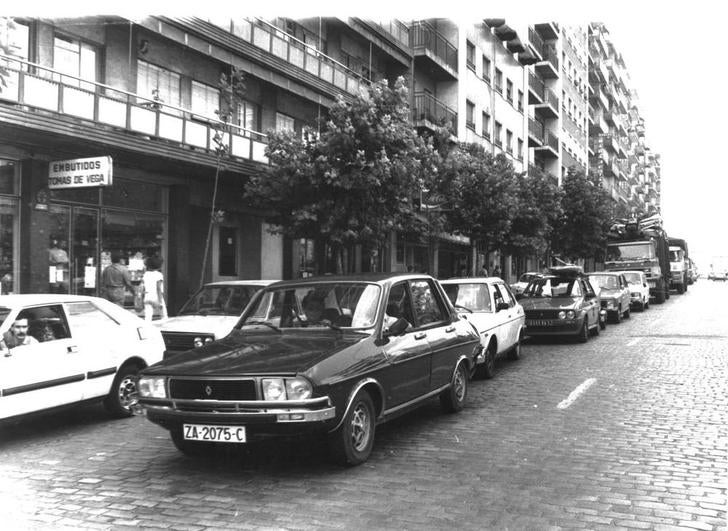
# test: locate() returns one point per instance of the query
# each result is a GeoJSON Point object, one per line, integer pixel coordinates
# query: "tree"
{"type": "Point", "coordinates": [581, 230]}
{"type": "Point", "coordinates": [6, 26]}
{"type": "Point", "coordinates": [481, 192]}
{"type": "Point", "coordinates": [537, 212]}
{"type": "Point", "coordinates": [356, 181]}
{"type": "Point", "coordinates": [232, 92]}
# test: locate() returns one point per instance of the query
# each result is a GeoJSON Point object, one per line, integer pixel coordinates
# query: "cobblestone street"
{"type": "Point", "coordinates": [644, 446]}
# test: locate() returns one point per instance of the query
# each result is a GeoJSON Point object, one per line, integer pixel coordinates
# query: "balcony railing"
{"type": "Point", "coordinates": [427, 37]}
{"type": "Point", "coordinates": [39, 87]}
{"type": "Point", "coordinates": [396, 29]}
{"type": "Point", "coordinates": [277, 42]}
{"type": "Point", "coordinates": [552, 141]}
{"type": "Point", "coordinates": [552, 99]}
{"type": "Point", "coordinates": [550, 55]}
{"type": "Point", "coordinates": [535, 128]}
{"type": "Point", "coordinates": [429, 108]}
{"type": "Point", "coordinates": [536, 85]}
{"type": "Point", "coordinates": [536, 41]}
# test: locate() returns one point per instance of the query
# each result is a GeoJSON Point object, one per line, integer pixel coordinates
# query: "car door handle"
{"type": "Point", "coordinates": [420, 335]}
{"type": "Point", "coordinates": [72, 348]}
{"type": "Point", "coordinates": [450, 329]}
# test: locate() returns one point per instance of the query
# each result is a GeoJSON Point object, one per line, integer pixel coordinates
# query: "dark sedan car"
{"type": "Point", "coordinates": [329, 355]}
{"type": "Point", "coordinates": [562, 302]}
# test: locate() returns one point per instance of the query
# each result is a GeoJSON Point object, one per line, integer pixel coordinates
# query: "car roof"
{"type": "Point", "coordinates": [242, 283]}
{"type": "Point", "coordinates": [29, 299]}
{"type": "Point", "coordinates": [378, 278]}
{"type": "Point", "coordinates": [470, 280]}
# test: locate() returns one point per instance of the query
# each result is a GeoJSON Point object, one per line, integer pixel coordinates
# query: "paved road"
{"type": "Point", "coordinates": [643, 446]}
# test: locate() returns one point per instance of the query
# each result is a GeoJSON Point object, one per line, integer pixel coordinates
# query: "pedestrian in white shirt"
{"type": "Point", "coordinates": [153, 283]}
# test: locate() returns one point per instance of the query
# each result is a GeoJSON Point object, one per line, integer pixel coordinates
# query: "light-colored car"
{"type": "Point", "coordinates": [84, 348]}
{"type": "Point", "coordinates": [210, 314]}
{"type": "Point", "coordinates": [639, 289]}
{"type": "Point", "coordinates": [491, 307]}
{"type": "Point", "coordinates": [519, 287]}
{"type": "Point", "coordinates": [614, 294]}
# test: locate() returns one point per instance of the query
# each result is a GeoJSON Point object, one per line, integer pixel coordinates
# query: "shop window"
{"type": "Point", "coordinates": [139, 195]}
{"type": "Point", "coordinates": [159, 84]}
{"type": "Point", "coordinates": [77, 59]}
{"type": "Point", "coordinates": [9, 220]}
{"type": "Point", "coordinates": [78, 195]}
{"type": "Point", "coordinates": [205, 100]}
{"type": "Point", "coordinates": [8, 177]}
{"type": "Point", "coordinates": [228, 252]}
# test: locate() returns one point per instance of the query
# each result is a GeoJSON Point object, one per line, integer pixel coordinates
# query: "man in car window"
{"type": "Point", "coordinates": [17, 336]}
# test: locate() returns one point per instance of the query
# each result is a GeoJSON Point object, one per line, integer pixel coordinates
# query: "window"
{"type": "Point", "coordinates": [248, 114]}
{"type": "Point", "coordinates": [74, 58]}
{"type": "Point", "coordinates": [399, 305]}
{"type": "Point", "coordinates": [520, 149]}
{"type": "Point", "coordinates": [509, 90]}
{"type": "Point", "coordinates": [486, 69]}
{"type": "Point", "coordinates": [498, 81]}
{"type": "Point", "coordinates": [486, 125]}
{"type": "Point", "coordinates": [470, 55]}
{"type": "Point", "coordinates": [509, 141]}
{"type": "Point", "coordinates": [470, 115]}
{"type": "Point", "coordinates": [284, 122]}
{"type": "Point", "coordinates": [427, 307]}
{"type": "Point", "coordinates": [46, 323]}
{"type": "Point", "coordinates": [205, 100]}
{"type": "Point", "coordinates": [520, 100]}
{"type": "Point", "coordinates": [498, 129]}
{"type": "Point", "coordinates": [158, 84]}
{"type": "Point", "coordinates": [18, 38]}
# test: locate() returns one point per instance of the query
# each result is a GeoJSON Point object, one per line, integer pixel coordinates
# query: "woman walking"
{"type": "Point", "coordinates": [153, 285]}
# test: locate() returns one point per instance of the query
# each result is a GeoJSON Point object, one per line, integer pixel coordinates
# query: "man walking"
{"type": "Point", "coordinates": [115, 280]}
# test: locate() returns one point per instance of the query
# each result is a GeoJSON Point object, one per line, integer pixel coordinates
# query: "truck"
{"type": "Point", "coordinates": [641, 245]}
{"type": "Point", "coordinates": [679, 264]}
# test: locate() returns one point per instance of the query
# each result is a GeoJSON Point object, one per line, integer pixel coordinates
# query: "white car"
{"type": "Point", "coordinates": [210, 314]}
{"type": "Point", "coordinates": [519, 287]}
{"type": "Point", "coordinates": [85, 348]}
{"type": "Point", "coordinates": [490, 306]}
{"type": "Point", "coordinates": [639, 289]}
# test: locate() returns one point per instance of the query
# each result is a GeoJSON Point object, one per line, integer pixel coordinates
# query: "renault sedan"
{"type": "Point", "coordinates": [333, 356]}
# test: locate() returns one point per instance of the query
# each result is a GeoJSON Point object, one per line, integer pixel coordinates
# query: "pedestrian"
{"type": "Point", "coordinates": [153, 289]}
{"type": "Point", "coordinates": [497, 271]}
{"type": "Point", "coordinates": [483, 271]}
{"type": "Point", "coordinates": [17, 335]}
{"type": "Point", "coordinates": [115, 280]}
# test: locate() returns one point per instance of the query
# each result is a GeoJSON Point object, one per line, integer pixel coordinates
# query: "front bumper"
{"type": "Point", "coordinates": [553, 327]}
{"type": "Point", "coordinates": [260, 418]}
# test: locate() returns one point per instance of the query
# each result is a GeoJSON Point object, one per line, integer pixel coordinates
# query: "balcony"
{"type": "Point", "coordinates": [505, 33]}
{"type": "Point", "coordinates": [391, 30]}
{"type": "Point", "coordinates": [536, 43]}
{"type": "Point", "coordinates": [550, 147]}
{"type": "Point", "coordinates": [429, 112]}
{"type": "Point", "coordinates": [434, 52]}
{"type": "Point", "coordinates": [610, 143]}
{"type": "Point", "coordinates": [44, 100]}
{"type": "Point", "coordinates": [549, 109]}
{"type": "Point", "coordinates": [548, 30]}
{"type": "Point", "coordinates": [549, 67]}
{"type": "Point", "coordinates": [535, 89]}
{"type": "Point", "coordinates": [283, 56]}
{"type": "Point", "coordinates": [535, 133]}
{"type": "Point", "coordinates": [597, 125]}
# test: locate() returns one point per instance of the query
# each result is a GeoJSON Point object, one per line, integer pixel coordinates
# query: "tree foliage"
{"type": "Point", "coordinates": [353, 183]}
{"type": "Point", "coordinates": [581, 230]}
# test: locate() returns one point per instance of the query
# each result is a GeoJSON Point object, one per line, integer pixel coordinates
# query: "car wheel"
{"type": "Point", "coordinates": [352, 442]}
{"type": "Point", "coordinates": [487, 368]}
{"type": "Point", "coordinates": [584, 332]}
{"type": "Point", "coordinates": [603, 323]}
{"type": "Point", "coordinates": [515, 352]}
{"type": "Point", "coordinates": [191, 448]}
{"type": "Point", "coordinates": [123, 393]}
{"type": "Point", "coordinates": [453, 398]}
{"type": "Point", "coordinates": [627, 313]}
{"type": "Point", "coordinates": [595, 331]}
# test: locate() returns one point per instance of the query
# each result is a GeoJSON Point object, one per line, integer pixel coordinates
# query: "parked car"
{"type": "Point", "coordinates": [83, 348]}
{"type": "Point", "coordinates": [211, 313]}
{"type": "Point", "coordinates": [333, 355]}
{"type": "Point", "coordinates": [562, 303]}
{"type": "Point", "coordinates": [614, 293]}
{"type": "Point", "coordinates": [518, 287]}
{"type": "Point", "coordinates": [489, 304]}
{"type": "Point", "coordinates": [639, 289]}
{"type": "Point", "coordinates": [720, 275]}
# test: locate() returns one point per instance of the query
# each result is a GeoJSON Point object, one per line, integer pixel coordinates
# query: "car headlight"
{"type": "Point", "coordinates": [562, 315]}
{"type": "Point", "coordinates": [286, 388]}
{"type": "Point", "coordinates": [570, 314]}
{"type": "Point", "coordinates": [202, 340]}
{"type": "Point", "coordinates": [152, 387]}
{"type": "Point", "coordinates": [610, 304]}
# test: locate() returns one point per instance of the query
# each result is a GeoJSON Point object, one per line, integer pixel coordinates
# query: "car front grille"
{"type": "Point", "coordinates": [179, 340]}
{"type": "Point", "coordinates": [212, 389]}
{"type": "Point", "coordinates": [542, 314]}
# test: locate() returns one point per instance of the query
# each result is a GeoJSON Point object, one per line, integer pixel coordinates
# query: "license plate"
{"type": "Point", "coordinates": [211, 433]}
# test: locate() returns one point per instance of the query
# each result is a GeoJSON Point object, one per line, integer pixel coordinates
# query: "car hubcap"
{"type": "Point", "coordinates": [360, 427]}
{"type": "Point", "coordinates": [459, 385]}
{"type": "Point", "coordinates": [127, 392]}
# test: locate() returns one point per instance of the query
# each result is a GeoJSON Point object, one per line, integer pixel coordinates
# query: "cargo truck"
{"type": "Point", "coordinates": [679, 264]}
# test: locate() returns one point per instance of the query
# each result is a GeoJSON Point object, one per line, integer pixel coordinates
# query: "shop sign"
{"type": "Point", "coordinates": [79, 173]}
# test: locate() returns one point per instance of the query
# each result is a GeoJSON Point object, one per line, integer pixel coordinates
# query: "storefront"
{"type": "Point", "coordinates": [9, 225]}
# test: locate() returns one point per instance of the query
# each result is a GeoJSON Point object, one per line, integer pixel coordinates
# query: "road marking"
{"type": "Point", "coordinates": [576, 393]}
{"type": "Point", "coordinates": [633, 342]}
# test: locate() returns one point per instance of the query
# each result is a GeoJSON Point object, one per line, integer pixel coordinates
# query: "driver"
{"type": "Point", "coordinates": [17, 335]}
{"type": "Point", "coordinates": [313, 308]}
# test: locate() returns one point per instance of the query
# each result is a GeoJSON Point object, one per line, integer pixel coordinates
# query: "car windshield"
{"type": "Point", "coordinates": [473, 296]}
{"type": "Point", "coordinates": [604, 281]}
{"type": "Point", "coordinates": [553, 287]}
{"type": "Point", "coordinates": [219, 300]}
{"type": "Point", "coordinates": [633, 278]}
{"type": "Point", "coordinates": [638, 251]}
{"type": "Point", "coordinates": [676, 255]}
{"type": "Point", "coordinates": [4, 312]}
{"type": "Point", "coordinates": [527, 277]}
{"type": "Point", "coordinates": [316, 305]}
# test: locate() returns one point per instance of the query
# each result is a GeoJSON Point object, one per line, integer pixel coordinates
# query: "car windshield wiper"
{"type": "Point", "coordinates": [264, 323]}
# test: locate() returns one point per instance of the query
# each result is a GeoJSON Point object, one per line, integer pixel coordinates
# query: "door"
{"type": "Point", "coordinates": [591, 302]}
{"type": "Point", "coordinates": [84, 251]}
{"type": "Point", "coordinates": [46, 374]}
{"type": "Point", "coordinates": [513, 315]}
{"type": "Point", "coordinates": [502, 318]}
{"type": "Point", "coordinates": [408, 355]}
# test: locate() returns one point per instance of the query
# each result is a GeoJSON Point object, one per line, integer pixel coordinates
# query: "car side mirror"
{"type": "Point", "coordinates": [397, 328]}
{"type": "Point", "coordinates": [645, 284]}
{"type": "Point", "coordinates": [502, 306]}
